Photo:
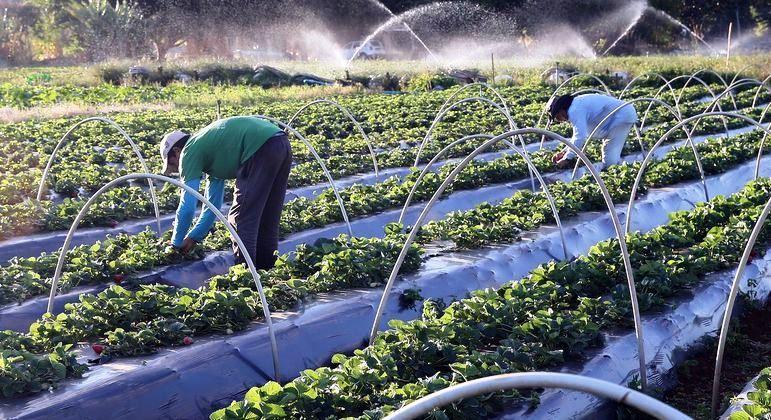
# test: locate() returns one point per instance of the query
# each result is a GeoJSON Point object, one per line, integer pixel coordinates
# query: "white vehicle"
{"type": "Point", "coordinates": [372, 49]}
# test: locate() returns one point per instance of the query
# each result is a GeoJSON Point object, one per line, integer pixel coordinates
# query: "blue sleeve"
{"type": "Point", "coordinates": [185, 212]}
{"type": "Point", "coordinates": [215, 192]}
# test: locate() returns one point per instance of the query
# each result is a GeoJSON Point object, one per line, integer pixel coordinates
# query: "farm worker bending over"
{"type": "Point", "coordinates": [258, 156]}
{"type": "Point", "coordinates": [585, 112]}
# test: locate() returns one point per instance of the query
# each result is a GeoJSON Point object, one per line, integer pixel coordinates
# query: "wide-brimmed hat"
{"type": "Point", "coordinates": [167, 143]}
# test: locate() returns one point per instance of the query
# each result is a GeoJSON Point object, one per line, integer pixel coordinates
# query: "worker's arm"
{"type": "Point", "coordinates": [580, 133]}
{"type": "Point", "coordinates": [185, 213]}
{"type": "Point", "coordinates": [215, 192]}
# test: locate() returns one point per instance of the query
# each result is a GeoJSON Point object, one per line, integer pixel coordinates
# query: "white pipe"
{"type": "Point", "coordinates": [497, 383]}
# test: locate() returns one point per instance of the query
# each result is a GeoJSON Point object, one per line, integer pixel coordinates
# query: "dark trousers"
{"type": "Point", "coordinates": [258, 200]}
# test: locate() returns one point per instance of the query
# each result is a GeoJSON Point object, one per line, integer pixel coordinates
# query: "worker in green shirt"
{"type": "Point", "coordinates": [255, 153]}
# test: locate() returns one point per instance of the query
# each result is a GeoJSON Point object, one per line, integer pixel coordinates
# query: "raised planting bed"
{"type": "Point", "coordinates": [370, 226]}
{"type": "Point", "coordinates": [338, 322]}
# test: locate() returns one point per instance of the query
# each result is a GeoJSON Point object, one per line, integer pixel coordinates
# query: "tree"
{"type": "Point", "coordinates": [108, 30]}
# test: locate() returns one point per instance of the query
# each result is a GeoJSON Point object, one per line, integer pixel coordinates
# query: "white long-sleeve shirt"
{"type": "Point", "coordinates": [587, 112]}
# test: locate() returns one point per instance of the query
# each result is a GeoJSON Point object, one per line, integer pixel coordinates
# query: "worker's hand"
{"type": "Point", "coordinates": [558, 157]}
{"type": "Point", "coordinates": [187, 245]}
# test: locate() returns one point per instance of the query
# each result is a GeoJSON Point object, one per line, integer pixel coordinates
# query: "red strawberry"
{"type": "Point", "coordinates": [97, 348]}
{"type": "Point", "coordinates": [113, 223]}
{"type": "Point", "coordinates": [753, 255]}
{"type": "Point", "coordinates": [74, 194]}
{"type": "Point", "coordinates": [118, 278]}
{"type": "Point", "coordinates": [187, 341]}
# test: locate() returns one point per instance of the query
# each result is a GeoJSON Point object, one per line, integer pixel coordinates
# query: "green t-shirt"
{"type": "Point", "coordinates": [222, 146]}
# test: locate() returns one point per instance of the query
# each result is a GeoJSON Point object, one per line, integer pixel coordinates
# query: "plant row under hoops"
{"type": "Point", "coordinates": [124, 322]}
{"type": "Point", "coordinates": [25, 217]}
{"type": "Point", "coordinates": [755, 401]}
{"type": "Point", "coordinates": [97, 173]}
{"type": "Point", "coordinates": [350, 161]}
{"type": "Point", "coordinates": [30, 216]}
{"type": "Point", "coordinates": [553, 315]}
{"type": "Point", "coordinates": [124, 255]}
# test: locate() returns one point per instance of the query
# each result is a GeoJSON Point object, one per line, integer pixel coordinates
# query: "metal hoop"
{"type": "Point", "coordinates": [608, 202]}
{"type": "Point", "coordinates": [663, 138]}
{"type": "Point", "coordinates": [693, 76]}
{"type": "Point", "coordinates": [762, 140]}
{"type": "Point", "coordinates": [677, 99]}
{"type": "Point", "coordinates": [495, 91]}
{"type": "Point", "coordinates": [688, 135]}
{"type": "Point", "coordinates": [348, 115]}
{"type": "Point", "coordinates": [730, 305]}
{"type": "Point", "coordinates": [319, 160]}
{"type": "Point", "coordinates": [544, 186]}
{"type": "Point", "coordinates": [83, 211]}
{"type": "Point", "coordinates": [757, 92]}
{"type": "Point", "coordinates": [445, 109]}
{"type": "Point", "coordinates": [647, 74]}
{"type": "Point", "coordinates": [442, 112]}
{"type": "Point", "coordinates": [490, 384]}
{"type": "Point", "coordinates": [131, 143]}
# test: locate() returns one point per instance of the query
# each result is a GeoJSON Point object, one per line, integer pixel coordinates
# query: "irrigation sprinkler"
{"type": "Point", "coordinates": [442, 112]}
{"type": "Point", "coordinates": [688, 135]}
{"type": "Point", "coordinates": [524, 156]}
{"type": "Point", "coordinates": [348, 115]}
{"type": "Point", "coordinates": [729, 307]}
{"type": "Point", "coordinates": [608, 202]}
{"type": "Point", "coordinates": [83, 211]}
{"type": "Point", "coordinates": [529, 380]}
{"type": "Point", "coordinates": [663, 138]}
{"type": "Point", "coordinates": [131, 143]}
{"type": "Point", "coordinates": [310, 147]}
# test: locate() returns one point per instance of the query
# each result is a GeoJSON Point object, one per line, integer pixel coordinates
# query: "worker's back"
{"type": "Point", "coordinates": [593, 108]}
{"type": "Point", "coordinates": [219, 148]}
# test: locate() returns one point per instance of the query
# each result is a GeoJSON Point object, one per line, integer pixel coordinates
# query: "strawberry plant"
{"type": "Point", "coordinates": [556, 312]}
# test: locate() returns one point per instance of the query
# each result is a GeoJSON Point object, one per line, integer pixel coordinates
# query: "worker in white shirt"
{"type": "Point", "coordinates": [585, 113]}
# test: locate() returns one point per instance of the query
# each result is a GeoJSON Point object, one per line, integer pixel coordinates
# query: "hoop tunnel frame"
{"type": "Point", "coordinates": [528, 162]}
{"type": "Point", "coordinates": [347, 114]}
{"type": "Point", "coordinates": [611, 209]}
{"type": "Point", "coordinates": [122, 132]}
{"type": "Point", "coordinates": [644, 165]}
{"type": "Point", "coordinates": [84, 210]}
